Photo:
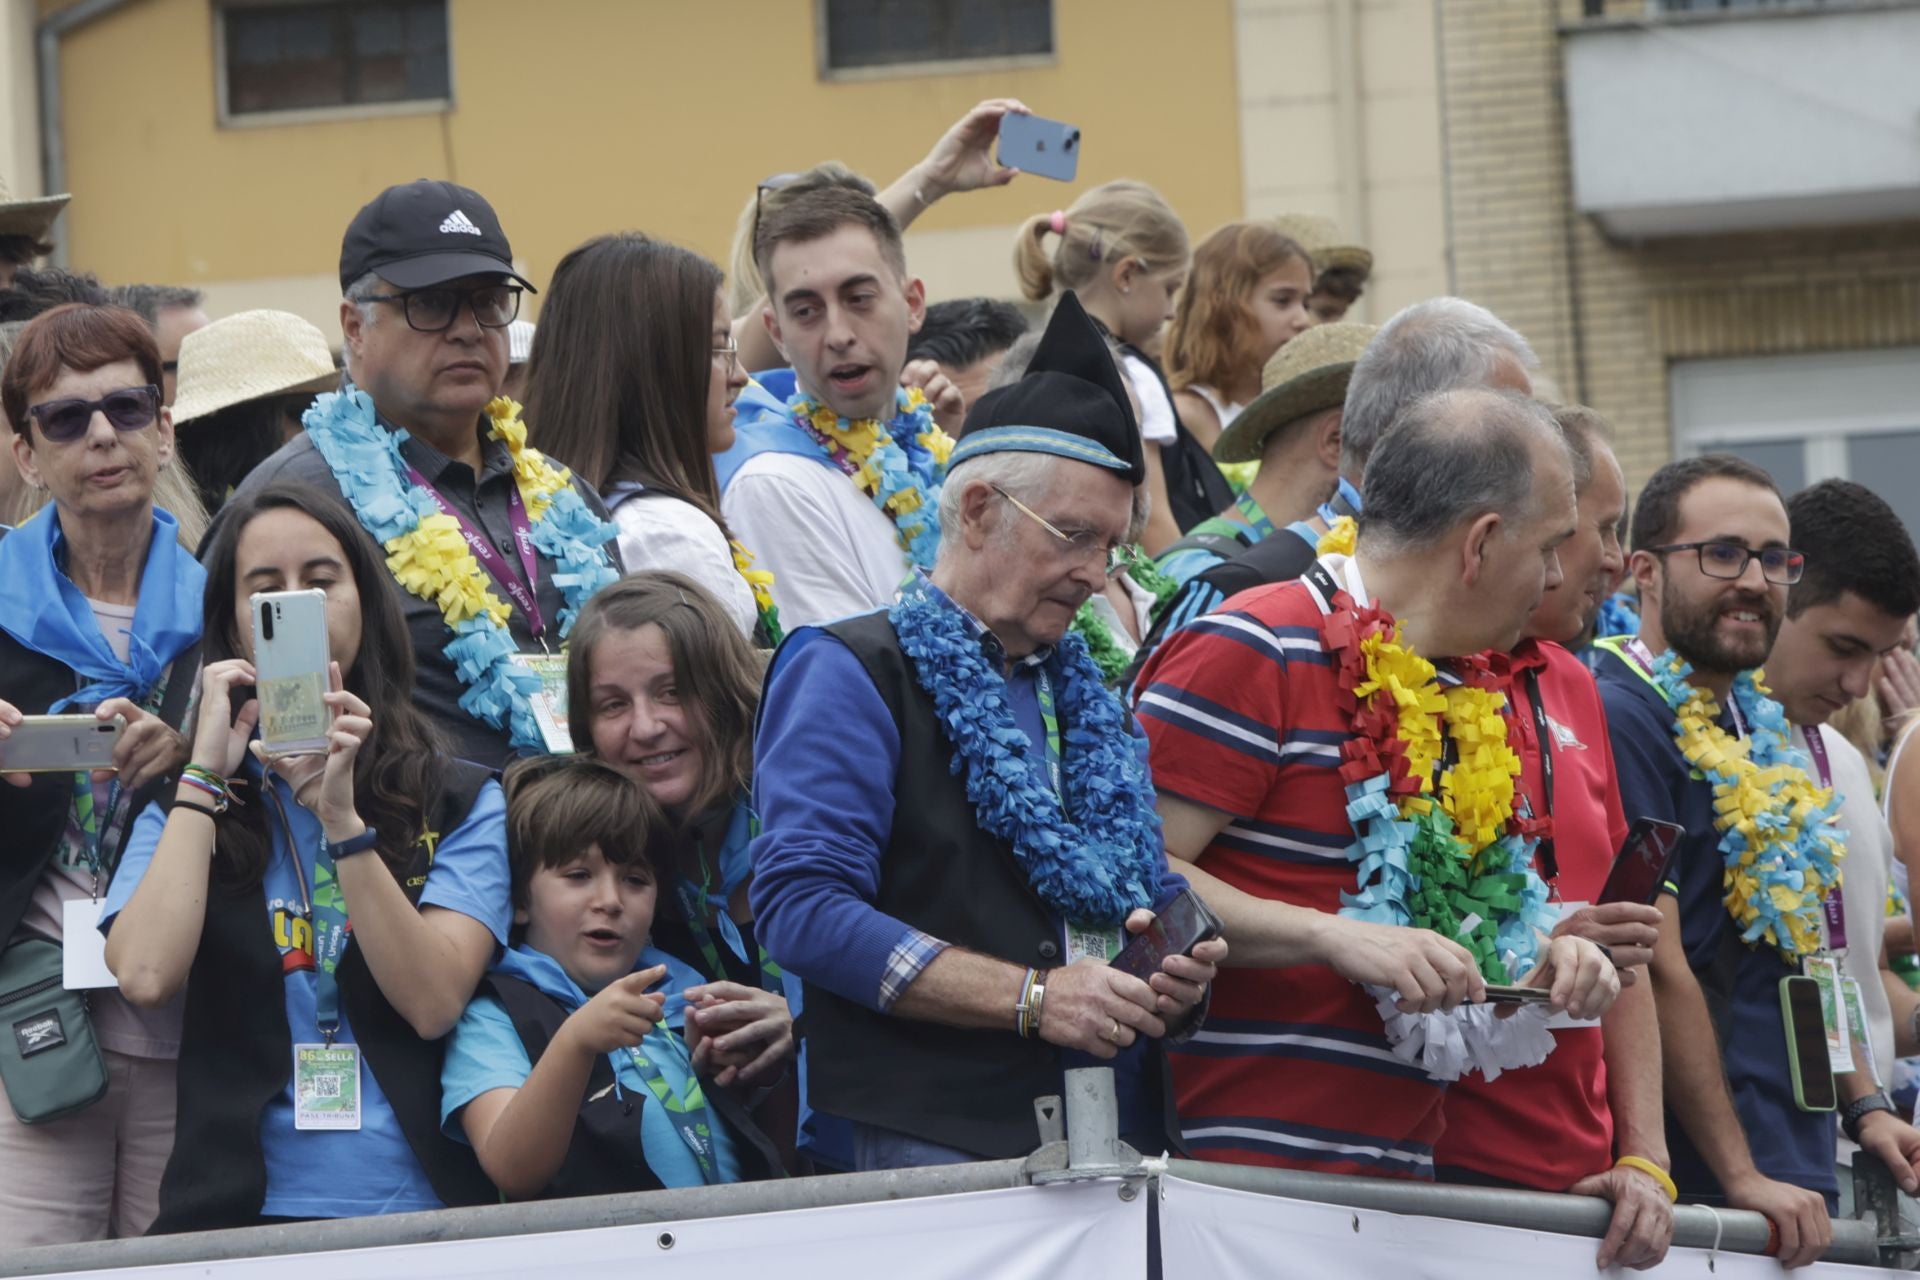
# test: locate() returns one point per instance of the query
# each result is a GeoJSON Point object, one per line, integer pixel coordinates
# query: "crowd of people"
{"type": "Point", "coordinates": [763, 706]}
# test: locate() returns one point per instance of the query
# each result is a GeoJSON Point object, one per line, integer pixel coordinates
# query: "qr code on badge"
{"type": "Point", "coordinates": [327, 1086]}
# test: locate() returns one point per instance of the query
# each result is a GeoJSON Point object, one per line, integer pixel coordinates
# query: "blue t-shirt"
{"type": "Point", "coordinates": [486, 1053]}
{"type": "Point", "coordinates": [344, 1173]}
{"type": "Point", "coordinates": [1656, 781]}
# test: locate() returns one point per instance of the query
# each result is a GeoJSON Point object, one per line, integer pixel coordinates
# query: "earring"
{"type": "Point", "coordinates": [1126, 288]}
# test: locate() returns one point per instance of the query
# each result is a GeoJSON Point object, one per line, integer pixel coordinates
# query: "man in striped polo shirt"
{"type": "Point", "coordinates": [1466, 498]}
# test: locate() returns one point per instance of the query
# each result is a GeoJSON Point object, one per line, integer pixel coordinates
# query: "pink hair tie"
{"type": "Point", "coordinates": [1057, 222]}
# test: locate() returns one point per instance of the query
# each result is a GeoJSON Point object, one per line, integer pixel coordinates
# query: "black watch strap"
{"type": "Point", "coordinates": [1860, 1108]}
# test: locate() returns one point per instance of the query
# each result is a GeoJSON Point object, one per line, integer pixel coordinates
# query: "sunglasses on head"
{"type": "Point", "coordinates": [128, 409]}
{"type": "Point", "coordinates": [774, 183]}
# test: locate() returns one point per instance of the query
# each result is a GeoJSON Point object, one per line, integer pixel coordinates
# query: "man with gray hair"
{"type": "Point", "coordinates": [1284, 782]}
{"type": "Point", "coordinates": [958, 827]}
{"type": "Point", "coordinates": [429, 289]}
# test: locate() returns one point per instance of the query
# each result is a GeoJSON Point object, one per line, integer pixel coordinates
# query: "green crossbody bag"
{"type": "Point", "coordinates": [49, 1059]}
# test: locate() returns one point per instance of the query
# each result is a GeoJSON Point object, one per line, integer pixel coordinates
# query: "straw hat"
{"type": "Point", "coordinates": [28, 217]}
{"type": "Point", "coordinates": [1321, 238]}
{"type": "Point", "coordinates": [1305, 376]}
{"type": "Point", "coordinates": [246, 356]}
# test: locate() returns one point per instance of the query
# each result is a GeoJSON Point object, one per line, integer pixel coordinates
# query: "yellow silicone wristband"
{"type": "Point", "coordinates": [1653, 1171]}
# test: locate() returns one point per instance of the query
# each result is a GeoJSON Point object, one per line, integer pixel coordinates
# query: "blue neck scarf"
{"type": "Point", "coordinates": [46, 613]}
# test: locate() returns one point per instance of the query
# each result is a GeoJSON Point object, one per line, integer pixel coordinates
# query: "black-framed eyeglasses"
{"type": "Point", "coordinates": [732, 353]}
{"type": "Point", "coordinates": [434, 310]}
{"type": "Point", "coordinates": [1781, 566]}
{"type": "Point", "coordinates": [1081, 546]}
{"type": "Point", "coordinates": [128, 409]}
{"type": "Point", "coordinates": [774, 183]}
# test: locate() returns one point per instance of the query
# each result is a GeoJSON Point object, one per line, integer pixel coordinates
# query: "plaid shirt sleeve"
{"type": "Point", "coordinates": [914, 952]}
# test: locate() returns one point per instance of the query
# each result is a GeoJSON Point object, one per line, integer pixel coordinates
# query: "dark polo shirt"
{"type": "Point", "coordinates": [437, 689]}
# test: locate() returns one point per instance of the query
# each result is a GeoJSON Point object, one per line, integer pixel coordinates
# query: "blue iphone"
{"type": "Point", "coordinates": [1035, 144]}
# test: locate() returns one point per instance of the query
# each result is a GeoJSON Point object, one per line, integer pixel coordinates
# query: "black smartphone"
{"type": "Point", "coordinates": [1497, 994]}
{"type": "Point", "coordinates": [1180, 925]}
{"type": "Point", "coordinates": [1641, 869]}
{"type": "Point", "coordinates": [1813, 1088]}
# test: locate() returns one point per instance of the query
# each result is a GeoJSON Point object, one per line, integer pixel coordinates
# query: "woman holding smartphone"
{"type": "Point", "coordinates": [99, 616]}
{"type": "Point", "coordinates": [310, 1068]}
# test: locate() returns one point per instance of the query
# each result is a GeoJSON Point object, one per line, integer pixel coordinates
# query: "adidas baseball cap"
{"type": "Point", "coordinates": [424, 232]}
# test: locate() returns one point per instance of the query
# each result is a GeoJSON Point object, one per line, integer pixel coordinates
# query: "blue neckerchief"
{"type": "Point", "coordinates": [52, 618]}
{"type": "Point", "coordinates": [697, 901]}
{"type": "Point", "coordinates": [542, 972]}
{"type": "Point", "coordinates": [1341, 490]}
{"type": "Point", "coordinates": [761, 424]}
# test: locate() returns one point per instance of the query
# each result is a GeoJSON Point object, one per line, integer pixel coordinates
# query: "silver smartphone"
{"type": "Point", "coordinates": [61, 744]}
{"type": "Point", "coordinates": [290, 657]}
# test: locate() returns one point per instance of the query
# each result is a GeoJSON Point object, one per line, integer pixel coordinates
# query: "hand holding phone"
{"type": "Point", "coordinates": [61, 744]}
{"type": "Point", "coordinates": [1645, 860]}
{"type": "Point", "coordinates": [1182, 924]}
{"type": "Point", "coordinates": [1035, 144]}
{"type": "Point", "coordinates": [290, 660]}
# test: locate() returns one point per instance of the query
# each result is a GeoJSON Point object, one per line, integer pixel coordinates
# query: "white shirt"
{"type": "Point", "coordinates": [832, 552]}
{"type": "Point", "coordinates": [1156, 410]}
{"type": "Point", "coordinates": [1863, 880]}
{"type": "Point", "coordinates": [658, 531]}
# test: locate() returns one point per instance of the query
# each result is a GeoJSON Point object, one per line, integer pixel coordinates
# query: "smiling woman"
{"type": "Point", "coordinates": [97, 596]}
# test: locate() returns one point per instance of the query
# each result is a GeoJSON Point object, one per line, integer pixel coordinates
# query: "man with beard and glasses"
{"type": "Point", "coordinates": [1712, 561]}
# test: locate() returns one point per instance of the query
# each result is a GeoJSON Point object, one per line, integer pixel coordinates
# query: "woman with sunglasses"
{"type": "Point", "coordinates": [634, 374]}
{"type": "Point", "coordinates": [100, 619]}
{"type": "Point", "coordinates": [329, 922]}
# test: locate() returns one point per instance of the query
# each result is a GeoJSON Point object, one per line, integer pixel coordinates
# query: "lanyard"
{"type": "Point", "coordinates": [1261, 523]}
{"type": "Point", "coordinates": [687, 1109]}
{"type": "Point", "coordinates": [327, 908]}
{"type": "Point", "coordinates": [1636, 652]}
{"type": "Point", "coordinates": [1835, 905]}
{"type": "Point", "coordinates": [696, 903]}
{"type": "Point", "coordinates": [1043, 691]}
{"type": "Point", "coordinates": [490, 559]}
{"type": "Point", "coordinates": [1543, 730]}
{"type": "Point", "coordinates": [87, 817]}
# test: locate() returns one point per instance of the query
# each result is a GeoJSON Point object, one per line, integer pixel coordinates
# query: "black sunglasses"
{"type": "Point", "coordinates": [128, 409]}
{"type": "Point", "coordinates": [434, 310]}
{"type": "Point", "coordinates": [774, 183]}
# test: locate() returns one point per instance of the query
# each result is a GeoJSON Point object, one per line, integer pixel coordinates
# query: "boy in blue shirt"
{"type": "Point", "coordinates": [565, 1073]}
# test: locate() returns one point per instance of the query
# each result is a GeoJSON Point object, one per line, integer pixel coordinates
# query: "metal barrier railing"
{"type": "Point", "coordinates": [1086, 1146]}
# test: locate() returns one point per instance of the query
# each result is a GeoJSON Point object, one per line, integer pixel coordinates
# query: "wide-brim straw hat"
{"type": "Point", "coordinates": [1320, 237]}
{"type": "Point", "coordinates": [28, 217]}
{"type": "Point", "coordinates": [1307, 375]}
{"type": "Point", "coordinates": [247, 356]}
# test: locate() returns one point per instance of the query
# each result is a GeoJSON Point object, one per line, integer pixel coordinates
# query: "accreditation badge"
{"type": "Point", "coordinates": [326, 1086]}
{"type": "Point", "coordinates": [1099, 942]}
{"type": "Point", "coordinates": [1825, 970]}
{"type": "Point", "coordinates": [550, 702]}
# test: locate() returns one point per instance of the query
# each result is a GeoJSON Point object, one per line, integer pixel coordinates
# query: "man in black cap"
{"type": "Point", "coordinates": [958, 825]}
{"type": "Point", "coordinates": [429, 288]}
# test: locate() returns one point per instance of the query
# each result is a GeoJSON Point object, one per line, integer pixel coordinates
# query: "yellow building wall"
{"type": "Point", "coordinates": [576, 117]}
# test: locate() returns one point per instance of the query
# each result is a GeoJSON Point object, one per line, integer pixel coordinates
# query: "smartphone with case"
{"type": "Point", "coordinates": [1813, 1087]}
{"type": "Point", "coordinates": [290, 659]}
{"type": "Point", "coordinates": [1640, 871]}
{"type": "Point", "coordinates": [61, 744]}
{"type": "Point", "coordinates": [1035, 144]}
{"type": "Point", "coordinates": [1179, 926]}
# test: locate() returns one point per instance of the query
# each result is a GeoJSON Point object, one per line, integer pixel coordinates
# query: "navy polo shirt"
{"type": "Point", "coordinates": [1788, 1144]}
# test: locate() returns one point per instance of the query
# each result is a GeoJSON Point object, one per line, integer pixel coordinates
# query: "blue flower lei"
{"type": "Point", "coordinates": [372, 475]}
{"type": "Point", "coordinates": [1816, 846]}
{"type": "Point", "coordinates": [1092, 855]}
{"type": "Point", "coordinates": [903, 470]}
{"type": "Point", "coordinates": [1616, 617]}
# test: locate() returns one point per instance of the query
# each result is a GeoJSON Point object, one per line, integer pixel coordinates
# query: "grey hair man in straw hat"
{"type": "Point", "coordinates": [1341, 268]}
{"type": "Point", "coordinates": [24, 225]}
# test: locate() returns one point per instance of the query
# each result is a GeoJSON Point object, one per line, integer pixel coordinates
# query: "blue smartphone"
{"type": "Point", "coordinates": [1035, 144]}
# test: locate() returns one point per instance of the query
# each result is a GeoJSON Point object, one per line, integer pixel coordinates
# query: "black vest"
{"type": "Point", "coordinates": [606, 1156]}
{"type": "Point", "coordinates": [1196, 488]}
{"type": "Point", "coordinates": [969, 1089]}
{"type": "Point", "coordinates": [236, 1052]}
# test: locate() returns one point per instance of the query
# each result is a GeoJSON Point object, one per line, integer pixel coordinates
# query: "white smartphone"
{"type": "Point", "coordinates": [290, 657]}
{"type": "Point", "coordinates": [61, 744]}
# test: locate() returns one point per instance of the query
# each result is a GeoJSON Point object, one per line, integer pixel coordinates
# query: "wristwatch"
{"type": "Point", "coordinates": [1860, 1108]}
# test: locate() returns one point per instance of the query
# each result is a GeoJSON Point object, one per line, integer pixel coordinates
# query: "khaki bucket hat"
{"type": "Point", "coordinates": [28, 217]}
{"type": "Point", "coordinates": [1305, 376]}
{"type": "Point", "coordinates": [249, 355]}
{"type": "Point", "coordinates": [1321, 238]}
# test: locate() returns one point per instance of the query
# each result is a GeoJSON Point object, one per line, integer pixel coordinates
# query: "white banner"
{"type": "Point", "coordinates": [1212, 1233]}
{"type": "Point", "coordinates": [1022, 1233]}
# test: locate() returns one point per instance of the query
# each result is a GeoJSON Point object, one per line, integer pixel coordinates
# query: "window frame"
{"type": "Point", "coordinates": [934, 66]}
{"type": "Point", "coordinates": [226, 118]}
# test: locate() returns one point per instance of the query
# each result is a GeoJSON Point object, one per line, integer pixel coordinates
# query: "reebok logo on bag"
{"type": "Point", "coordinates": [39, 1033]}
{"type": "Point", "coordinates": [459, 223]}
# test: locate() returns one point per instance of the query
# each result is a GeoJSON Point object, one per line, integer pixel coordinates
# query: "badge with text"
{"type": "Point", "coordinates": [550, 703]}
{"type": "Point", "coordinates": [1857, 1024]}
{"type": "Point", "coordinates": [1101, 943]}
{"type": "Point", "coordinates": [1825, 971]}
{"type": "Point", "coordinates": [83, 948]}
{"type": "Point", "coordinates": [326, 1086]}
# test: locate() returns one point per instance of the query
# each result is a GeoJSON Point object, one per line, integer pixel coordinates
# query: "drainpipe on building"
{"type": "Point", "coordinates": [1349, 132]}
{"type": "Point", "coordinates": [53, 154]}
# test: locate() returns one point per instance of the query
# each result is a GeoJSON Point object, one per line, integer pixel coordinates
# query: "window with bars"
{"type": "Point", "coordinates": [864, 35]}
{"type": "Point", "coordinates": [324, 54]}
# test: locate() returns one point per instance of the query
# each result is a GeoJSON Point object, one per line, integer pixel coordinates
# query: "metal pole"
{"type": "Point", "coordinates": [1694, 1226]}
{"type": "Point", "coordinates": [1093, 1118]}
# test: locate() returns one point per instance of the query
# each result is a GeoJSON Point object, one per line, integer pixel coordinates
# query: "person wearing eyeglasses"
{"type": "Point", "coordinates": [100, 617]}
{"type": "Point", "coordinates": [1713, 560]}
{"type": "Point", "coordinates": [494, 548]}
{"type": "Point", "coordinates": [957, 822]}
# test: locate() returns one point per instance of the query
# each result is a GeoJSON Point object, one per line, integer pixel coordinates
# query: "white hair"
{"type": "Point", "coordinates": [1024, 475]}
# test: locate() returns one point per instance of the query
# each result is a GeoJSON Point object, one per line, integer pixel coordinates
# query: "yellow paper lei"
{"type": "Point", "coordinates": [1339, 539]}
{"type": "Point", "coordinates": [858, 440]}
